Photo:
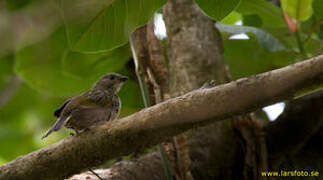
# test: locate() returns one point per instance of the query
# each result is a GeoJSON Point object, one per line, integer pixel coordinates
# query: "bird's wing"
{"type": "Point", "coordinates": [58, 112]}
{"type": "Point", "coordinates": [91, 98]}
{"type": "Point", "coordinates": [86, 116]}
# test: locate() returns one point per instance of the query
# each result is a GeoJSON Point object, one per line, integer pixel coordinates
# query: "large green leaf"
{"type": "Point", "coordinates": [298, 9]}
{"type": "Point", "coordinates": [270, 14]}
{"type": "Point", "coordinates": [268, 41]}
{"type": "Point", "coordinates": [217, 9]}
{"type": "Point", "coordinates": [102, 25]}
{"type": "Point", "coordinates": [94, 65]}
{"type": "Point", "coordinates": [246, 57]}
{"type": "Point", "coordinates": [40, 66]}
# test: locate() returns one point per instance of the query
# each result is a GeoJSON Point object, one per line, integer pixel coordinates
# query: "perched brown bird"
{"type": "Point", "coordinates": [93, 107]}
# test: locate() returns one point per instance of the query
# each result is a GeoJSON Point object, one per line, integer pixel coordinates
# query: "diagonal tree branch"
{"type": "Point", "coordinates": [152, 125]}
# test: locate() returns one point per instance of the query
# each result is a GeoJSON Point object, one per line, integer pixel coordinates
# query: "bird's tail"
{"type": "Point", "coordinates": [58, 125]}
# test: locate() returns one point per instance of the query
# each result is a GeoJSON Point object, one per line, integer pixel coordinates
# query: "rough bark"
{"type": "Point", "coordinates": [148, 167]}
{"type": "Point", "coordinates": [152, 125]}
{"type": "Point", "coordinates": [279, 135]}
{"type": "Point", "coordinates": [195, 55]}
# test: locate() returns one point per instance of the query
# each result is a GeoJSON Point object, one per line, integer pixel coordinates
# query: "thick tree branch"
{"type": "Point", "coordinates": [152, 125]}
{"type": "Point", "coordinates": [148, 167]}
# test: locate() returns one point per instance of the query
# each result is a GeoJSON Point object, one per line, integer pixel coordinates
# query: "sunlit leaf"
{"type": "Point", "coordinates": [298, 9]}
{"type": "Point", "coordinates": [232, 18]}
{"type": "Point", "coordinates": [217, 9]}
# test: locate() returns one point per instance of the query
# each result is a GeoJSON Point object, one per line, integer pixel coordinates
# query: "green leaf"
{"type": "Point", "coordinates": [268, 41]}
{"type": "Point", "coordinates": [50, 67]}
{"type": "Point", "coordinates": [252, 20]}
{"type": "Point", "coordinates": [270, 14]}
{"type": "Point", "coordinates": [298, 9]}
{"type": "Point", "coordinates": [318, 8]}
{"type": "Point", "coordinates": [40, 66]}
{"type": "Point", "coordinates": [232, 18]}
{"type": "Point", "coordinates": [95, 65]}
{"type": "Point", "coordinates": [217, 9]}
{"type": "Point", "coordinates": [258, 60]}
{"type": "Point", "coordinates": [102, 25]}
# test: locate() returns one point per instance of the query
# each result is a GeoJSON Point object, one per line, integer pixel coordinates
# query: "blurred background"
{"type": "Point", "coordinates": [51, 50]}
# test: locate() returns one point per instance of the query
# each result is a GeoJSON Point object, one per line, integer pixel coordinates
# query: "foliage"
{"type": "Point", "coordinates": [60, 54]}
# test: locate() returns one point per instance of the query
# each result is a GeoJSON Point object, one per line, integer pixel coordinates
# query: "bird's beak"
{"type": "Point", "coordinates": [123, 78]}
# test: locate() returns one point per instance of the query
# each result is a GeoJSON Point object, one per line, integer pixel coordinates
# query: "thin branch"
{"type": "Point", "coordinates": [154, 124]}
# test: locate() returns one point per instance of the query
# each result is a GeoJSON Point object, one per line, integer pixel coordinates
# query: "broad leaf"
{"type": "Point", "coordinates": [40, 66]}
{"type": "Point", "coordinates": [102, 25]}
{"type": "Point", "coordinates": [217, 9]}
{"type": "Point", "coordinates": [94, 65]}
{"type": "Point", "coordinates": [298, 9]}
{"type": "Point", "coordinates": [246, 57]}
{"type": "Point", "coordinates": [270, 14]}
{"type": "Point", "coordinates": [268, 41]}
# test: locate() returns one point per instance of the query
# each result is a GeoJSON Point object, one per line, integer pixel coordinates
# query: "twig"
{"type": "Point", "coordinates": [96, 174]}
{"type": "Point", "coordinates": [300, 43]}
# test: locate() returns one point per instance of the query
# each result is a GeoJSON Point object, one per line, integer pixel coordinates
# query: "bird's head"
{"type": "Point", "coordinates": [111, 82]}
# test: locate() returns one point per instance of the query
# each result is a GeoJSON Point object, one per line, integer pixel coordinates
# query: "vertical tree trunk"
{"type": "Point", "coordinates": [196, 56]}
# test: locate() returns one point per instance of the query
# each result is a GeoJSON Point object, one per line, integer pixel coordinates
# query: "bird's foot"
{"type": "Point", "coordinates": [76, 133]}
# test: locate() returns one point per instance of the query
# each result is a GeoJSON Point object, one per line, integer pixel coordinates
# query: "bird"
{"type": "Point", "coordinates": [91, 108]}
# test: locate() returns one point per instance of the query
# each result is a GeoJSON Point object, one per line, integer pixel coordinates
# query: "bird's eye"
{"type": "Point", "coordinates": [111, 77]}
